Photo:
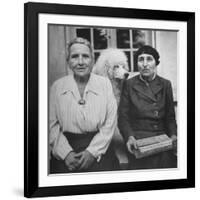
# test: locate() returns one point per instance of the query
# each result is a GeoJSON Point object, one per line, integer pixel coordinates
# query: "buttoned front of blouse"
{"type": "Point", "coordinates": [98, 113]}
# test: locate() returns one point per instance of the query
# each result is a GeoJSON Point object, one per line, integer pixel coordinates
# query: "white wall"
{"type": "Point", "coordinates": [11, 101]}
{"type": "Point", "coordinates": [166, 44]}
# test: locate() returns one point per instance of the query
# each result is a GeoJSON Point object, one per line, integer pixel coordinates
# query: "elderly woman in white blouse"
{"type": "Point", "coordinates": [82, 116]}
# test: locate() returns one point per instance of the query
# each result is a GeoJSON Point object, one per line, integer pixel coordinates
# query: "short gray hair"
{"type": "Point", "coordinates": [78, 40]}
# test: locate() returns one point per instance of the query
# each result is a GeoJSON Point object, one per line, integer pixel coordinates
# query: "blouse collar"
{"type": "Point", "coordinates": [92, 85]}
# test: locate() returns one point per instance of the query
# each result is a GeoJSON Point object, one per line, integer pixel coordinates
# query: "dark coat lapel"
{"type": "Point", "coordinates": [156, 85]}
{"type": "Point", "coordinates": [149, 92]}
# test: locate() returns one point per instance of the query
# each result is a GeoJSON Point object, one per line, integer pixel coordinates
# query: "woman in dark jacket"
{"type": "Point", "coordinates": [147, 109]}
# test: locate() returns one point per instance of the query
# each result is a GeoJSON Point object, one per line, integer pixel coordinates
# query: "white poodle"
{"type": "Point", "coordinates": [112, 63]}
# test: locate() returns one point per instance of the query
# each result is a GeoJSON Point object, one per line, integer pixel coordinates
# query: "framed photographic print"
{"type": "Point", "coordinates": [109, 99]}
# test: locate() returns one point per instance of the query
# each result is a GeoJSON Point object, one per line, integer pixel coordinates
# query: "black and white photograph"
{"type": "Point", "coordinates": [112, 99]}
{"type": "Point", "coordinates": [100, 100]}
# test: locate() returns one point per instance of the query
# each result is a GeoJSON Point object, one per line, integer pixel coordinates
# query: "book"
{"type": "Point", "coordinates": [152, 145]}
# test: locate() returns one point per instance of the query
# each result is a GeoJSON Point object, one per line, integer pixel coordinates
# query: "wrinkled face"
{"type": "Point", "coordinates": [120, 71]}
{"type": "Point", "coordinates": [80, 60]}
{"type": "Point", "coordinates": [146, 65]}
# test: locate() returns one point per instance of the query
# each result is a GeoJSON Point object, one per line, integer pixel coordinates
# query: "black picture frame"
{"type": "Point", "coordinates": [31, 107]}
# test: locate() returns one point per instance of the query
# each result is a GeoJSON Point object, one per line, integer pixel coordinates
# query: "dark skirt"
{"type": "Point", "coordinates": [158, 161]}
{"type": "Point", "coordinates": [79, 142]}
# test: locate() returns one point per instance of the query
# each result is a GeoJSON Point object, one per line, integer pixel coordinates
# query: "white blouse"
{"type": "Point", "coordinates": [97, 114]}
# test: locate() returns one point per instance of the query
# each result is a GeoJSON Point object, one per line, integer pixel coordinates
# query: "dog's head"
{"type": "Point", "coordinates": [113, 64]}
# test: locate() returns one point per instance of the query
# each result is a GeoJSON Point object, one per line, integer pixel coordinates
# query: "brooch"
{"type": "Point", "coordinates": [81, 102]}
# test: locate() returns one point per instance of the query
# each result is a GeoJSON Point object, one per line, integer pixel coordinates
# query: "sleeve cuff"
{"type": "Point", "coordinates": [62, 148]}
{"type": "Point", "coordinates": [94, 153]}
{"type": "Point", "coordinates": [61, 153]}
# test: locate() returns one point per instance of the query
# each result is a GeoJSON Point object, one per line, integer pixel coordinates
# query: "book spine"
{"type": "Point", "coordinates": [152, 140]}
{"type": "Point", "coordinates": [153, 149]}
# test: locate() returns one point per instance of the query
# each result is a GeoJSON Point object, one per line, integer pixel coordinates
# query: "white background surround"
{"type": "Point", "coordinates": [12, 70]}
